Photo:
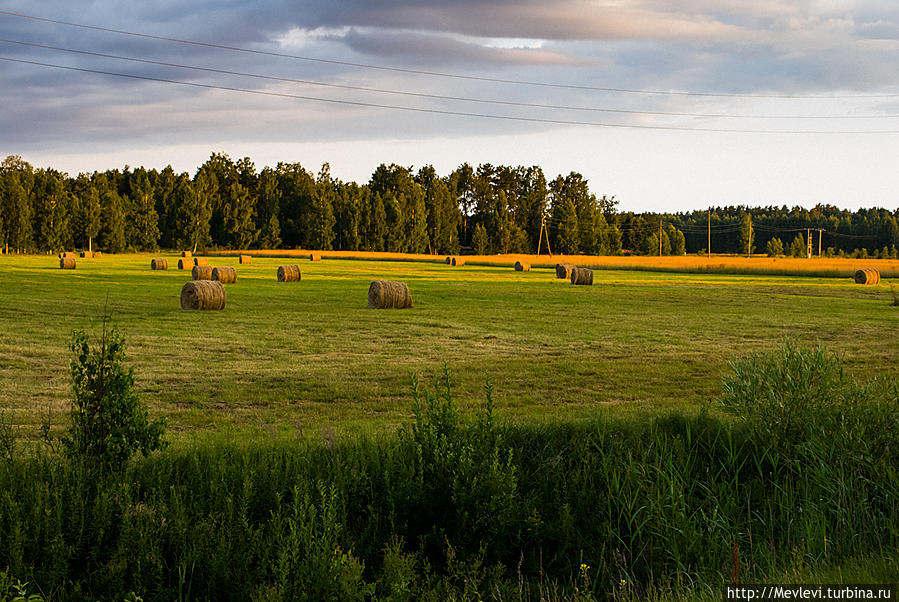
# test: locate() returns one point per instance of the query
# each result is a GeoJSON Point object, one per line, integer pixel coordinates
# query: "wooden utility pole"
{"type": "Point", "coordinates": [710, 233]}
{"type": "Point", "coordinates": [660, 238]}
{"type": "Point", "coordinates": [808, 243]}
{"type": "Point", "coordinates": [543, 229]}
{"type": "Point", "coordinates": [820, 236]}
{"type": "Point", "coordinates": [749, 242]}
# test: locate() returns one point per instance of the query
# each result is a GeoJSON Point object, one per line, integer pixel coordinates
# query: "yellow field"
{"type": "Point", "coordinates": [837, 267]}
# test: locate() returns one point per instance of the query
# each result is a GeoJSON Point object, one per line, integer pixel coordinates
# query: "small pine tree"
{"type": "Point", "coordinates": [797, 247]}
{"type": "Point", "coordinates": [109, 422]}
{"type": "Point", "coordinates": [480, 241]}
{"type": "Point", "coordinates": [774, 247]}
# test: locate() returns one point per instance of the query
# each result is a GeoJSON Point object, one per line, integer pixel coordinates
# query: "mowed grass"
{"type": "Point", "coordinates": [310, 355]}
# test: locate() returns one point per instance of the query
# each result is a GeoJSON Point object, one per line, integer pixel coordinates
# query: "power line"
{"type": "Point", "coordinates": [437, 96]}
{"type": "Point", "coordinates": [443, 111]}
{"type": "Point", "coordinates": [437, 73]}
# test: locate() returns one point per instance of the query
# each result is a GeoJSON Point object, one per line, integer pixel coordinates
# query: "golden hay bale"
{"type": "Point", "coordinates": [185, 264]}
{"type": "Point", "coordinates": [203, 294]}
{"type": "Point", "coordinates": [159, 264]}
{"type": "Point", "coordinates": [65, 254]}
{"type": "Point", "coordinates": [87, 254]}
{"type": "Point", "coordinates": [563, 270]}
{"type": "Point", "coordinates": [522, 266]}
{"type": "Point", "coordinates": [449, 260]}
{"type": "Point", "coordinates": [225, 275]}
{"type": "Point", "coordinates": [201, 272]}
{"type": "Point", "coordinates": [582, 276]}
{"type": "Point", "coordinates": [289, 273]}
{"type": "Point", "coordinates": [67, 263]}
{"type": "Point", "coordinates": [98, 254]}
{"type": "Point", "coordinates": [201, 261]}
{"type": "Point", "coordinates": [185, 254]}
{"type": "Point", "coordinates": [869, 276]}
{"type": "Point", "coordinates": [245, 259]}
{"type": "Point", "coordinates": [315, 256]}
{"type": "Point", "coordinates": [388, 294]}
{"type": "Point", "coordinates": [458, 262]}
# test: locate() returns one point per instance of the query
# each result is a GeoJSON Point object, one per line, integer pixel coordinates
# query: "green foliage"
{"type": "Point", "coordinates": [109, 422]}
{"type": "Point", "coordinates": [13, 590]}
{"type": "Point", "coordinates": [774, 247]}
{"type": "Point", "coordinates": [480, 242]}
{"type": "Point", "coordinates": [798, 247]}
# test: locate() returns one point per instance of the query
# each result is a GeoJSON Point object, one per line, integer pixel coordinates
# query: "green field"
{"type": "Point", "coordinates": [311, 355]}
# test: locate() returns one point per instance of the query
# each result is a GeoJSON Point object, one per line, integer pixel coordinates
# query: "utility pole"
{"type": "Point", "coordinates": [749, 242]}
{"type": "Point", "coordinates": [660, 238]}
{"type": "Point", "coordinates": [710, 233]}
{"type": "Point", "coordinates": [543, 229]}
{"type": "Point", "coordinates": [808, 243]}
{"type": "Point", "coordinates": [820, 236]}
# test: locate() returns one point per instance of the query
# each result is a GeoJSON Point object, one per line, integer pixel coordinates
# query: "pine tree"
{"type": "Point", "coordinates": [143, 233]}
{"type": "Point", "coordinates": [797, 247]}
{"type": "Point", "coordinates": [774, 247]}
{"type": "Point", "coordinates": [480, 241]}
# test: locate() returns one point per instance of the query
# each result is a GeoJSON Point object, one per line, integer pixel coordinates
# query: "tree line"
{"type": "Point", "coordinates": [488, 209]}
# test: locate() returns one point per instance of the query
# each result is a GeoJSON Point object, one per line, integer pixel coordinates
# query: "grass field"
{"type": "Point", "coordinates": [311, 355]}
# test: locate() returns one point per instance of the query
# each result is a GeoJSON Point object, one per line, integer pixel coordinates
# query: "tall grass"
{"type": "Point", "coordinates": [456, 507]}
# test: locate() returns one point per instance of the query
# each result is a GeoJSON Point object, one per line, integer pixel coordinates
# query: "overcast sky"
{"type": "Point", "coordinates": [669, 106]}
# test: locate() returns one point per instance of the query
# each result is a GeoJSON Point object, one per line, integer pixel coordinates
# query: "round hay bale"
{"type": "Point", "coordinates": [449, 260]}
{"type": "Point", "coordinates": [245, 260]}
{"type": "Point", "coordinates": [388, 294]}
{"type": "Point", "coordinates": [225, 275]}
{"type": "Point", "coordinates": [185, 254]}
{"type": "Point", "coordinates": [315, 256]}
{"type": "Point", "coordinates": [201, 272]}
{"type": "Point", "coordinates": [582, 276]}
{"type": "Point", "coordinates": [522, 266]}
{"type": "Point", "coordinates": [563, 270]}
{"type": "Point", "coordinates": [65, 254]}
{"type": "Point", "coordinates": [868, 276]}
{"type": "Point", "coordinates": [289, 273]}
{"type": "Point", "coordinates": [67, 263]}
{"type": "Point", "coordinates": [159, 264]}
{"type": "Point", "coordinates": [201, 261]}
{"type": "Point", "coordinates": [458, 262]}
{"type": "Point", "coordinates": [185, 264]}
{"type": "Point", "coordinates": [203, 294]}
{"type": "Point", "coordinates": [98, 254]}
{"type": "Point", "coordinates": [87, 254]}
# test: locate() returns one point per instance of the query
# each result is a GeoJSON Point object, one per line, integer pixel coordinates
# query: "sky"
{"type": "Point", "coordinates": [667, 106]}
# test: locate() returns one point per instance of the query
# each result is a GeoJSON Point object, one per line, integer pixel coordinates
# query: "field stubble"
{"type": "Point", "coordinates": [311, 354]}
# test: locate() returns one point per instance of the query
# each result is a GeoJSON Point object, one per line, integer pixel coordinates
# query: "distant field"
{"type": "Point", "coordinates": [836, 267]}
{"type": "Point", "coordinates": [311, 355]}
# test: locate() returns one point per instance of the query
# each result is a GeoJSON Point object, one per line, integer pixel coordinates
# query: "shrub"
{"type": "Point", "coordinates": [109, 422]}
{"type": "Point", "coordinates": [774, 247]}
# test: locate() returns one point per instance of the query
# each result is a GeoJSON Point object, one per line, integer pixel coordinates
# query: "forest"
{"type": "Point", "coordinates": [488, 209]}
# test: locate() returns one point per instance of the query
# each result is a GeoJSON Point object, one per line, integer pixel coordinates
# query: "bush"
{"type": "Point", "coordinates": [109, 422]}
{"type": "Point", "coordinates": [774, 247]}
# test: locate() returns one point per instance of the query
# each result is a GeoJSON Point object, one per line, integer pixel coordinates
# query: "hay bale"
{"type": "Point", "coordinates": [563, 270]}
{"type": "Point", "coordinates": [67, 263]}
{"type": "Point", "coordinates": [388, 294]}
{"type": "Point", "coordinates": [87, 254]}
{"type": "Point", "coordinates": [186, 254]}
{"type": "Point", "coordinates": [203, 294]}
{"type": "Point", "coordinates": [289, 273]}
{"type": "Point", "coordinates": [522, 266]}
{"type": "Point", "coordinates": [315, 256]}
{"type": "Point", "coordinates": [201, 261]}
{"type": "Point", "coordinates": [245, 260]}
{"type": "Point", "coordinates": [868, 276]}
{"type": "Point", "coordinates": [449, 260]}
{"type": "Point", "coordinates": [201, 272]}
{"type": "Point", "coordinates": [582, 276]}
{"type": "Point", "coordinates": [98, 254]}
{"type": "Point", "coordinates": [225, 275]}
{"type": "Point", "coordinates": [65, 254]}
{"type": "Point", "coordinates": [185, 264]}
{"type": "Point", "coordinates": [458, 262]}
{"type": "Point", "coordinates": [159, 264]}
